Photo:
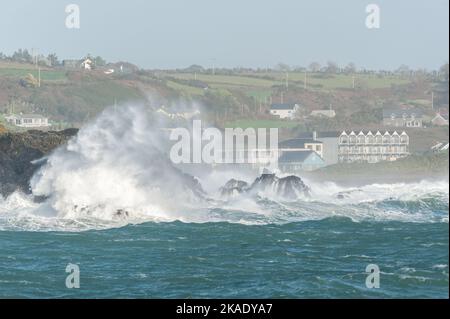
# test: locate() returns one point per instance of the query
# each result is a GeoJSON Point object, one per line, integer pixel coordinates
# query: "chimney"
{"type": "Point", "coordinates": [315, 135]}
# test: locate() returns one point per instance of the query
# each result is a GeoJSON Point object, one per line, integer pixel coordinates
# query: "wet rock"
{"type": "Point", "coordinates": [18, 151]}
{"type": "Point", "coordinates": [233, 187]}
{"type": "Point", "coordinates": [290, 187]}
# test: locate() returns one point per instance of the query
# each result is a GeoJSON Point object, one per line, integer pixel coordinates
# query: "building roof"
{"type": "Point", "coordinates": [283, 106]}
{"type": "Point", "coordinates": [32, 116]}
{"type": "Point", "coordinates": [374, 132]}
{"type": "Point", "coordinates": [27, 116]}
{"type": "Point", "coordinates": [399, 112]}
{"type": "Point", "coordinates": [442, 116]}
{"type": "Point", "coordinates": [297, 143]}
{"type": "Point", "coordinates": [295, 156]}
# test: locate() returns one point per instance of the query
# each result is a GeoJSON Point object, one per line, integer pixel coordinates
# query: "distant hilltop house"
{"type": "Point", "coordinates": [284, 110]}
{"type": "Point", "coordinates": [372, 147]}
{"type": "Point", "coordinates": [398, 117]}
{"type": "Point", "coordinates": [323, 113]}
{"type": "Point", "coordinates": [28, 120]}
{"type": "Point", "coordinates": [87, 64]}
{"type": "Point", "coordinates": [441, 118]}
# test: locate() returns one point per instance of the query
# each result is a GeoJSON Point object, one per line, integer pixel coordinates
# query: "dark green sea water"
{"type": "Point", "coordinates": [310, 259]}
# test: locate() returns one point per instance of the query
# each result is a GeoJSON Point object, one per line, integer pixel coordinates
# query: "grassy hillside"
{"type": "Point", "coordinates": [233, 99]}
{"type": "Point", "coordinates": [412, 168]}
{"type": "Point", "coordinates": [67, 97]}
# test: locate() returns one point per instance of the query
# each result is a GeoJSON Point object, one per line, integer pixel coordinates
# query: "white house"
{"type": "Point", "coordinates": [284, 110]}
{"type": "Point", "coordinates": [87, 64]}
{"type": "Point", "coordinates": [28, 120]}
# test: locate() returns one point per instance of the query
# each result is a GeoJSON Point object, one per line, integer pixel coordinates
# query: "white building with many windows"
{"type": "Point", "coordinates": [372, 147]}
{"type": "Point", "coordinates": [28, 120]}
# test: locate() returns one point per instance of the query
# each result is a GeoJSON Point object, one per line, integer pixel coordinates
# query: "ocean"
{"type": "Point", "coordinates": [284, 254]}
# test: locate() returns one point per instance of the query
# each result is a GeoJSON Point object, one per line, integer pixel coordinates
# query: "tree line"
{"type": "Point", "coordinates": [52, 60]}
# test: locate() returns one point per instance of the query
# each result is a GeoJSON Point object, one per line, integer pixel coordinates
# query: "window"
{"type": "Point", "coordinates": [319, 148]}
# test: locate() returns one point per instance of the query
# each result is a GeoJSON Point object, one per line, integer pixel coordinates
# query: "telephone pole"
{"type": "Point", "coordinates": [34, 54]}
{"type": "Point", "coordinates": [304, 82]}
{"type": "Point", "coordinates": [287, 81]}
{"type": "Point", "coordinates": [432, 100]}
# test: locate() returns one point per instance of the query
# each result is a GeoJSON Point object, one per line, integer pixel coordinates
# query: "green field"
{"type": "Point", "coordinates": [46, 75]}
{"type": "Point", "coordinates": [260, 84]}
{"type": "Point", "coordinates": [186, 89]}
{"type": "Point", "coordinates": [261, 124]}
{"type": "Point", "coordinates": [335, 81]}
{"type": "Point", "coordinates": [226, 80]}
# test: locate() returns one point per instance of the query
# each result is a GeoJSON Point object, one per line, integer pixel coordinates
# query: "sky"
{"type": "Point", "coordinates": [169, 34]}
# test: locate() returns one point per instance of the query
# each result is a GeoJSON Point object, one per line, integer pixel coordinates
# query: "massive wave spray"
{"type": "Point", "coordinates": [115, 165]}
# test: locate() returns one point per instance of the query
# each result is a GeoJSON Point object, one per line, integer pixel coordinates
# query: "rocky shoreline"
{"type": "Point", "coordinates": [19, 150]}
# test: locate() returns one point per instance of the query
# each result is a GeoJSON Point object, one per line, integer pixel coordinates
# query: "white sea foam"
{"type": "Point", "coordinates": [115, 172]}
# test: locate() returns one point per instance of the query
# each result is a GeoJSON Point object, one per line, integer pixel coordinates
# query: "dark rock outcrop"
{"type": "Point", "coordinates": [19, 150]}
{"type": "Point", "coordinates": [289, 187]}
{"type": "Point", "coordinates": [233, 187]}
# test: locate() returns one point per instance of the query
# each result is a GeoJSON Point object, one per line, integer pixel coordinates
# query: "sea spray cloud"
{"type": "Point", "coordinates": [115, 165]}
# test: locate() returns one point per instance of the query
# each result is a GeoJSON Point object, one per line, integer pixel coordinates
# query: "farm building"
{"type": "Point", "coordinates": [284, 110]}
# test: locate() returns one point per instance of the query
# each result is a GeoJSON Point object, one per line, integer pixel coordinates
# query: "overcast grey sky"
{"type": "Point", "coordinates": [254, 33]}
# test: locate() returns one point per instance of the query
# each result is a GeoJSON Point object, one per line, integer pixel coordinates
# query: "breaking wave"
{"type": "Point", "coordinates": [116, 172]}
